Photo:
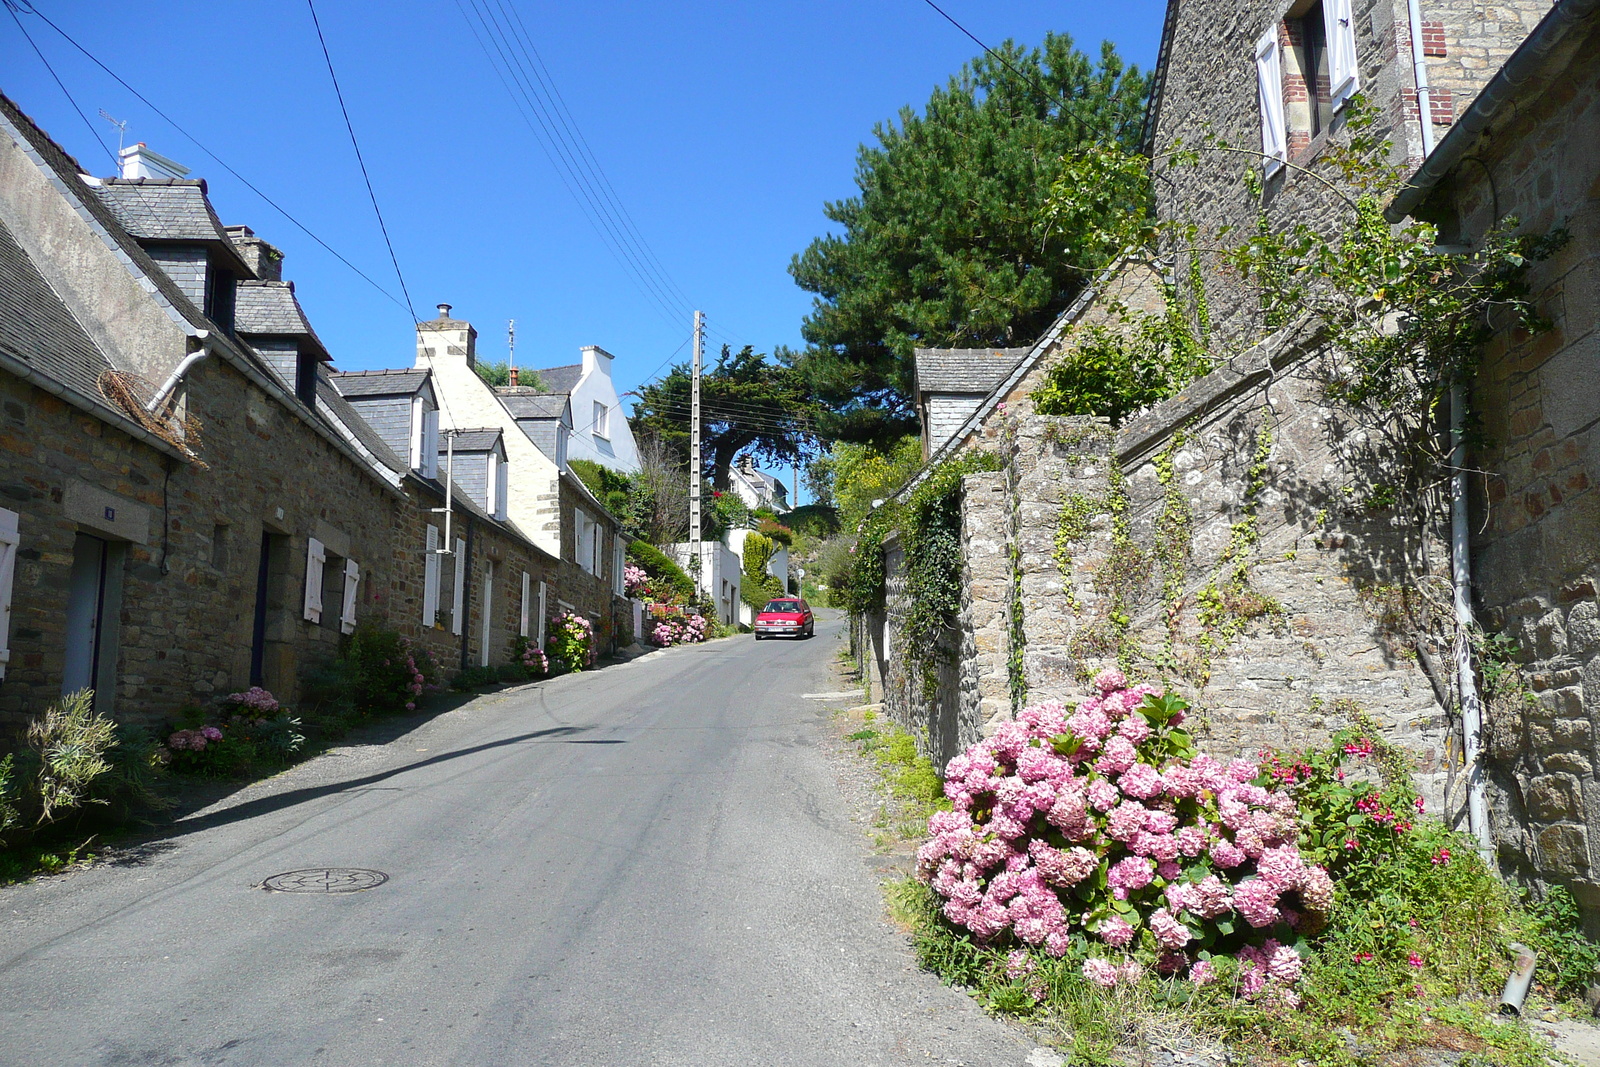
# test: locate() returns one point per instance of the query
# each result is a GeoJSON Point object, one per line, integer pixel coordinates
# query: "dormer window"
{"type": "Point", "coordinates": [220, 296]}
{"type": "Point", "coordinates": [305, 377]}
{"type": "Point", "coordinates": [602, 423]}
{"type": "Point", "coordinates": [424, 457]}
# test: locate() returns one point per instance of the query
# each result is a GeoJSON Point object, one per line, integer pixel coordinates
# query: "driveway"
{"type": "Point", "coordinates": [652, 864]}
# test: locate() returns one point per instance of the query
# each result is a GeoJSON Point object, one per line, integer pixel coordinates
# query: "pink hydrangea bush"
{"type": "Point", "coordinates": [253, 703]}
{"type": "Point", "coordinates": [1100, 831]}
{"type": "Point", "coordinates": [679, 630]}
{"type": "Point", "coordinates": [635, 581]}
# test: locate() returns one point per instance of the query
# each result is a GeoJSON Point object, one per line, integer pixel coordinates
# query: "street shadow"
{"type": "Point", "coordinates": [251, 809]}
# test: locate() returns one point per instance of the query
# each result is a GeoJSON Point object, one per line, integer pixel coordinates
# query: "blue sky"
{"type": "Point", "coordinates": [722, 127]}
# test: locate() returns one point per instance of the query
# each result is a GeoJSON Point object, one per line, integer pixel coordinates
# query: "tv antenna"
{"type": "Point", "coordinates": [122, 129]}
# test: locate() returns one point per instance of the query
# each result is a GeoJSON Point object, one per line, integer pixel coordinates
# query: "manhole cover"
{"type": "Point", "coordinates": [325, 880]}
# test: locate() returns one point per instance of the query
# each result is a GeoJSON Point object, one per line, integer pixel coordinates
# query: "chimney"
{"type": "Point", "coordinates": [596, 358]}
{"type": "Point", "coordinates": [446, 338]}
{"type": "Point", "coordinates": [513, 377]}
{"type": "Point", "coordinates": [263, 259]}
{"type": "Point", "coordinates": [139, 162]}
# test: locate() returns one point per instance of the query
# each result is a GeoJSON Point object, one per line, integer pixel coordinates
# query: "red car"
{"type": "Point", "coordinates": [785, 617]}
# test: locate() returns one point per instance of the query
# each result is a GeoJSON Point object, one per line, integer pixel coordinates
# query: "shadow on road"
{"type": "Point", "coordinates": [250, 809]}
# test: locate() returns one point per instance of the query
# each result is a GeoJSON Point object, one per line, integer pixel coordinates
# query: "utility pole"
{"type": "Point", "coordinates": [694, 460]}
{"type": "Point", "coordinates": [511, 350]}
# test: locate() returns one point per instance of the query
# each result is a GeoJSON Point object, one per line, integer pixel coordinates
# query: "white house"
{"type": "Point", "coordinates": [599, 428]}
{"type": "Point", "coordinates": [757, 489]}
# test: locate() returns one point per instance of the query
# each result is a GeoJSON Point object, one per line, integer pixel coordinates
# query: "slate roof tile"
{"type": "Point", "coordinates": [560, 379]}
{"type": "Point", "coordinates": [269, 309]}
{"type": "Point", "coordinates": [964, 370]}
{"type": "Point", "coordinates": [37, 328]}
{"type": "Point", "coordinates": [379, 382]}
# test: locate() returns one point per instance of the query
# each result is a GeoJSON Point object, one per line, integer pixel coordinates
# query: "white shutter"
{"type": "Point", "coordinates": [488, 614]}
{"type": "Point", "coordinates": [502, 489]}
{"type": "Point", "coordinates": [316, 556]}
{"type": "Point", "coordinates": [1269, 86]}
{"type": "Point", "coordinates": [527, 582]}
{"type": "Point", "coordinates": [430, 443]}
{"type": "Point", "coordinates": [419, 419]}
{"type": "Point", "coordinates": [10, 537]}
{"type": "Point", "coordinates": [459, 597]}
{"type": "Point", "coordinates": [542, 615]}
{"type": "Point", "coordinates": [430, 579]}
{"type": "Point", "coordinates": [352, 576]}
{"type": "Point", "coordinates": [1344, 67]}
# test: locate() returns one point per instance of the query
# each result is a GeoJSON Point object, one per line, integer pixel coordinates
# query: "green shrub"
{"type": "Point", "coordinates": [475, 677]}
{"type": "Point", "coordinates": [70, 742]}
{"type": "Point", "coordinates": [667, 579]}
{"type": "Point", "coordinates": [569, 645]}
{"type": "Point", "coordinates": [377, 672]}
{"type": "Point", "coordinates": [813, 520]}
{"type": "Point", "coordinates": [756, 586]}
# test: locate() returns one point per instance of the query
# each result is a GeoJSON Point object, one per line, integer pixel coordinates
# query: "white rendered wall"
{"type": "Point", "coordinates": [618, 452]}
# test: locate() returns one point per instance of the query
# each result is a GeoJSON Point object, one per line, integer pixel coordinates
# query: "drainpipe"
{"type": "Point", "coordinates": [204, 337]}
{"type": "Point", "coordinates": [466, 595]}
{"type": "Point", "coordinates": [1419, 70]}
{"type": "Point", "coordinates": [1467, 682]}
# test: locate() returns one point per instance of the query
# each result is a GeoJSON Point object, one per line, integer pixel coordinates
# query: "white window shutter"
{"type": "Point", "coordinates": [430, 579]}
{"type": "Point", "coordinates": [352, 577]}
{"type": "Point", "coordinates": [430, 443]}
{"type": "Point", "coordinates": [458, 603]}
{"type": "Point", "coordinates": [10, 538]}
{"type": "Point", "coordinates": [542, 615]}
{"type": "Point", "coordinates": [316, 556]}
{"type": "Point", "coordinates": [1344, 67]}
{"type": "Point", "coordinates": [1269, 84]}
{"type": "Point", "coordinates": [527, 583]}
{"type": "Point", "coordinates": [419, 419]}
{"type": "Point", "coordinates": [502, 489]}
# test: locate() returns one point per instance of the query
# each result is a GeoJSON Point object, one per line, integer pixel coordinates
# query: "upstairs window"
{"type": "Point", "coordinates": [502, 486]}
{"type": "Point", "coordinates": [1306, 70]}
{"type": "Point", "coordinates": [221, 287]}
{"type": "Point", "coordinates": [602, 424]}
{"type": "Point", "coordinates": [305, 377]}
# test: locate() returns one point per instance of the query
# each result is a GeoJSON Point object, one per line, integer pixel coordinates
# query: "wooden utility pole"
{"type": "Point", "coordinates": [694, 460]}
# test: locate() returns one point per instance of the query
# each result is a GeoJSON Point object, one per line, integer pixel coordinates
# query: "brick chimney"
{"type": "Point", "coordinates": [446, 338]}
{"type": "Point", "coordinates": [264, 259]}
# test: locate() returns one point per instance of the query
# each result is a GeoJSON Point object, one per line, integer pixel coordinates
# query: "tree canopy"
{"type": "Point", "coordinates": [748, 403]}
{"type": "Point", "coordinates": [948, 243]}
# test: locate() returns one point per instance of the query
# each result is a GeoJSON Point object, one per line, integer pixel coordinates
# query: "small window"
{"type": "Point", "coordinates": [602, 424]}
{"type": "Point", "coordinates": [220, 296]}
{"type": "Point", "coordinates": [305, 377]}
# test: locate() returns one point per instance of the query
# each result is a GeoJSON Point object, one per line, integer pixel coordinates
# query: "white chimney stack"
{"type": "Point", "coordinates": [139, 162]}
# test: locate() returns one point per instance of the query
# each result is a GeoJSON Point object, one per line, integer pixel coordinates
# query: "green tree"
{"type": "Point", "coordinates": [748, 403]}
{"type": "Point", "coordinates": [499, 374]}
{"type": "Point", "coordinates": [948, 242]}
{"type": "Point", "coordinates": [855, 475]}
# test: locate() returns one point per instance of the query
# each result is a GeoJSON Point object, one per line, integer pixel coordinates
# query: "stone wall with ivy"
{"type": "Point", "coordinates": [1229, 542]}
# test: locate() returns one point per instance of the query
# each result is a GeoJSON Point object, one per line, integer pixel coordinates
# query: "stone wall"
{"type": "Point", "coordinates": [1536, 510]}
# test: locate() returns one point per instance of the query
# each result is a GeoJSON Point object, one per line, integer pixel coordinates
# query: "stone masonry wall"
{"type": "Point", "coordinates": [1536, 509]}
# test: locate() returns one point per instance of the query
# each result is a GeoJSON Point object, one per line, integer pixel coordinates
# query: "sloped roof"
{"type": "Point", "coordinates": [169, 209]}
{"type": "Point", "coordinates": [480, 440]}
{"type": "Point", "coordinates": [336, 409]}
{"type": "Point", "coordinates": [531, 405]}
{"type": "Point", "coordinates": [37, 328]}
{"type": "Point", "coordinates": [964, 370]}
{"type": "Point", "coordinates": [404, 382]}
{"type": "Point", "coordinates": [560, 379]}
{"type": "Point", "coordinates": [269, 309]}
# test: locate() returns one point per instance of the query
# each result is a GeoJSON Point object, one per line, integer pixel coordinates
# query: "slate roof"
{"type": "Point", "coordinates": [169, 209]}
{"type": "Point", "coordinates": [561, 379]}
{"type": "Point", "coordinates": [37, 328]}
{"type": "Point", "coordinates": [483, 440]}
{"type": "Point", "coordinates": [336, 408]}
{"type": "Point", "coordinates": [964, 370]}
{"type": "Point", "coordinates": [269, 309]}
{"type": "Point", "coordinates": [531, 405]}
{"type": "Point", "coordinates": [379, 382]}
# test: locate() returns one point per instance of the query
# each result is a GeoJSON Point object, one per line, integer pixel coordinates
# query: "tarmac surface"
{"type": "Point", "coordinates": [650, 864]}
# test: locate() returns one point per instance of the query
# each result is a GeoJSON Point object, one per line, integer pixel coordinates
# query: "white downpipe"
{"type": "Point", "coordinates": [204, 337]}
{"type": "Point", "coordinates": [1466, 680]}
{"type": "Point", "coordinates": [1419, 70]}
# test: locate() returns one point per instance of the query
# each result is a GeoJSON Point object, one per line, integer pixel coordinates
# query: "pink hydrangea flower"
{"type": "Point", "coordinates": [1116, 756]}
{"type": "Point", "coordinates": [1110, 681]}
{"type": "Point", "coordinates": [1202, 973]}
{"type": "Point", "coordinates": [1102, 973]}
{"type": "Point", "coordinates": [1170, 933]}
{"type": "Point", "coordinates": [1115, 931]}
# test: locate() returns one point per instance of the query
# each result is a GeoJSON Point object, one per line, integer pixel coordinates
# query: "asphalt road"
{"type": "Point", "coordinates": [651, 864]}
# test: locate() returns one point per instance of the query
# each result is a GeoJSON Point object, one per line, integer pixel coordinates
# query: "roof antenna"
{"type": "Point", "coordinates": [511, 349]}
{"type": "Point", "coordinates": [122, 129]}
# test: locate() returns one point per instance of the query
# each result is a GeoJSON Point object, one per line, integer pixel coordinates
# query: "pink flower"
{"type": "Point", "coordinates": [1018, 964]}
{"type": "Point", "coordinates": [1141, 780]}
{"type": "Point", "coordinates": [1226, 855]}
{"type": "Point", "coordinates": [1441, 858]}
{"type": "Point", "coordinates": [1130, 971]}
{"type": "Point", "coordinates": [1202, 973]}
{"type": "Point", "coordinates": [1415, 960]}
{"type": "Point", "coordinates": [1316, 889]}
{"type": "Point", "coordinates": [1170, 933]}
{"type": "Point", "coordinates": [1110, 680]}
{"type": "Point", "coordinates": [1102, 973]}
{"type": "Point", "coordinates": [1283, 963]}
{"type": "Point", "coordinates": [1135, 729]}
{"type": "Point", "coordinates": [1103, 795]}
{"type": "Point", "coordinates": [1115, 931]}
{"type": "Point", "coordinates": [1133, 872]}
{"type": "Point", "coordinates": [1116, 756]}
{"type": "Point", "coordinates": [1256, 899]}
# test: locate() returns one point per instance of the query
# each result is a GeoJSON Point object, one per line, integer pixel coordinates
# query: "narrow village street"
{"type": "Point", "coordinates": [648, 864]}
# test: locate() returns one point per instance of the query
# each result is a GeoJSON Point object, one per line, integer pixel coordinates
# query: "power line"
{"type": "Point", "coordinates": [364, 175]}
{"type": "Point", "coordinates": [280, 209]}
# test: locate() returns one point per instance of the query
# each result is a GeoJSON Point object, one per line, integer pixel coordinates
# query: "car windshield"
{"type": "Point", "coordinates": [782, 605]}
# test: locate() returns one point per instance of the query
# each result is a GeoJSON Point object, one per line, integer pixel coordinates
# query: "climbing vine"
{"type": "Point", "coordinates": [1226, 601]}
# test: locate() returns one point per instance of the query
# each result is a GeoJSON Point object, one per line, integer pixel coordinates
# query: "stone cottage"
{"type": "Point", "coordinates": [189, 504]}
{"type": "Point", "coordinates": [1221, 540]}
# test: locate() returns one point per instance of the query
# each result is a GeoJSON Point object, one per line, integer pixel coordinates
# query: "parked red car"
{"type": "Point", "coordinates": [785, 617]}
